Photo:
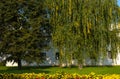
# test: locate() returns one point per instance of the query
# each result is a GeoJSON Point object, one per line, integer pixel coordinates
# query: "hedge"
{"type": "Point", "coordinates": [58, 76]}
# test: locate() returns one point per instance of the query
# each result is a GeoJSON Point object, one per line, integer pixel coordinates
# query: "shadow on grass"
{"type": "Point", "coordinates": [99, 66]}
{"type": "Point", "coordinates": [72, 69]}
{"type": "Point", "coordinates": [25, 70]}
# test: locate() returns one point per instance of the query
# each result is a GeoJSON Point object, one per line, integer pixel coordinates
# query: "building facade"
{"type": "Point", "coordinates": [51, 57]}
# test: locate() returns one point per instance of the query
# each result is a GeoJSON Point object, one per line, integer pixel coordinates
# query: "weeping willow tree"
{"type": "Point", "coordinates": [84, 28]}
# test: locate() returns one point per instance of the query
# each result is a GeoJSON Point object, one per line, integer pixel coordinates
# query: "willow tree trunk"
{"type": "Point", "coordinates": [80, 66]}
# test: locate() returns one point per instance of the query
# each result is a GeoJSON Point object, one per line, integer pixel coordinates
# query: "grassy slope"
{"type": "Point", "coordinates": [52, 70]}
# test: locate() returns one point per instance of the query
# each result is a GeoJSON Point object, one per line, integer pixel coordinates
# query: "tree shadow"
{"type": "Point", "coordinates": [25, 70]}
{"type": "Point", "coordinates": [99, 66]}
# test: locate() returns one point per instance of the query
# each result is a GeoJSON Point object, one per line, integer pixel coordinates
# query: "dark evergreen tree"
{"type": "Point", "coordinates": [22, 26]}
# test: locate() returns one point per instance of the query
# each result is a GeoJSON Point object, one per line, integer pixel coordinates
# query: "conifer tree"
{"type": "Point", "coordinates": [21, 30]}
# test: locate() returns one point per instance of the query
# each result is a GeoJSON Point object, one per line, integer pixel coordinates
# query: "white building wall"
{"type": "Point", "coordinates": [11, 63]}
{"type": "Point", "coordinates": [51, 61]}
{"type": "Point", "coordinates": [50, 57]}
{"type": "Point", "coordinates": [118, 59]}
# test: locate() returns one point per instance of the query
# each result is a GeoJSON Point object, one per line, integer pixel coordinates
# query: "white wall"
{"type": "Point", "coordinates": [8, 63]}
{"type": "Point", "coordinates": [51, 61]}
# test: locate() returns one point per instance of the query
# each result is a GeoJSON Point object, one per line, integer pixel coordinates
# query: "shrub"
{"type": "Point", "coordinates": [2, 63]}
{"type": "Point", "coordinates": [58, 76]}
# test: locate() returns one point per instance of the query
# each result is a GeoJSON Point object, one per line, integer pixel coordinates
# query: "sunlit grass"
{"type": "Point", "coordinates": [52, 70]}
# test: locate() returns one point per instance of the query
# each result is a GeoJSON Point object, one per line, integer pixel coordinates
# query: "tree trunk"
{"type": "Point", "coordinates": [80, 66]}
{"type": "Point", "coordinates": [19, 63]}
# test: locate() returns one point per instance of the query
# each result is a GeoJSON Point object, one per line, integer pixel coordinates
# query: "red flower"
{"type": "Point", "coordinates": [42, 78]}
{"type": "Point", "coordinates": [36, 78]}
{"type": "Point", "coordinates": [77, 77]}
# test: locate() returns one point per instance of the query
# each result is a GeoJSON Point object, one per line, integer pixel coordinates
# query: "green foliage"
{"type": "Point", "coordinates": [2, 63]}
{"type": "Point", "coordinates": [80, 28]}
{"type": "Point", "coordinates": [83, 28]}
{"type": "Point", "coordinates": [20, 28]}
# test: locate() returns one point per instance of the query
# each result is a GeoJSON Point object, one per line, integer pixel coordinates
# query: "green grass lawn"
{"type": "Point", "coordinates": [52, 70]}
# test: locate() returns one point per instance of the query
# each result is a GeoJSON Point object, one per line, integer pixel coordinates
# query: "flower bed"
{"type": "Point", "coordinates": [58, 76]}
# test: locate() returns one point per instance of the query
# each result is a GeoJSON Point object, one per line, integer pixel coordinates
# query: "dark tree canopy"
{"type": "Point", "coordinates": [80, 29]}
{"type": "Point", "coordinates": [22, 23]}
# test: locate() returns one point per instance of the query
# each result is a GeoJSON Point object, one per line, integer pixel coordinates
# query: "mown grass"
{"type": "Point", "coordinates": [52, 70]}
